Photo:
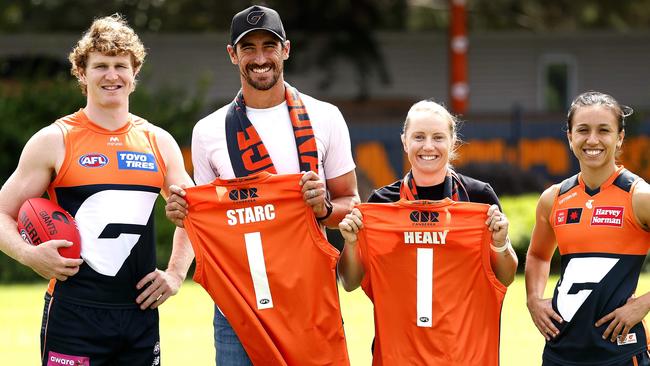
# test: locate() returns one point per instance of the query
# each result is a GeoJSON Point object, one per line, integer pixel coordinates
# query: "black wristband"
{"type": "Point", "coordinates": [329, 207]}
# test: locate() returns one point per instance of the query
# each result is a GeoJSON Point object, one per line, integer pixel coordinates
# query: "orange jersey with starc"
{"type": "Point", "coordinates": [428, 274]}
{"type": "Point", "coordinates": [602, 248]}
{"type": "Point", "coordinates": [265, 262]}
{"type": "Point", "coordinates": [109, 181]}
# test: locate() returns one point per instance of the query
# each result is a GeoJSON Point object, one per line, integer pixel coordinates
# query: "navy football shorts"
{"type": "Point", "coordinates": [78, 335]}
{"type": "Point", "coordinates": [641, 359]}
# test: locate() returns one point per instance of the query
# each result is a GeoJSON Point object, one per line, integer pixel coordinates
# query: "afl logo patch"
{"type": "Point", "coordinates": [93, 160]}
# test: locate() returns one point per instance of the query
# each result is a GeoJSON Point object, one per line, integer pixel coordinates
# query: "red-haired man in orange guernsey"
{"type": "Point", "coordinates": [106, 167]}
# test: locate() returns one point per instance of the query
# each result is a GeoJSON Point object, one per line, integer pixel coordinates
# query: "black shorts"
{"type": "Point", "coordinates": [73, 334]}
{"type": "Point", "coordinates": [641, 359]}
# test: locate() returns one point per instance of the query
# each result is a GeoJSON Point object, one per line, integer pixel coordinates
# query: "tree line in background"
{"type": "Point", "coordinates": [326, 16]}
{"type": "Point", "coordinates": [324, 32]}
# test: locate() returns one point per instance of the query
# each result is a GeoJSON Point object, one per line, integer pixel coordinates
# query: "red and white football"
{"type": "Point", "coordinates": [40, 220]}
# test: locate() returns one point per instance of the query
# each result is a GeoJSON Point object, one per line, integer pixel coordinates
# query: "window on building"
{"type": "Point", "coordinates": [557, 76]}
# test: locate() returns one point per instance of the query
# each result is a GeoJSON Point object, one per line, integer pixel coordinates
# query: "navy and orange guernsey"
{"type": "Point", "coordinates": [265, 262]}
{"type": "Point", "coordinates": [109, 181]}
{"type": "Point", "coordinates": [428, 274]}
{"type": "Point", "coordinates": [602, 249]}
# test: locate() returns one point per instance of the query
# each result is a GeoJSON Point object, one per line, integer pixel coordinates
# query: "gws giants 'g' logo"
{"type": "Point", "coordinates": [242, 194]}
{"type": "Point", "coordinates": [60, 216]}
{"type": "Point", "coordinates": [111, 222]}
{"type": "Point", "coordinates": [254, 17]}
{"type": "Point", "coordinates": [423, 216]}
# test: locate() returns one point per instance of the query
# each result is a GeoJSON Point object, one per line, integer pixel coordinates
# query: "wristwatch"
{"type": "Point", "coordinates": [329, 207]}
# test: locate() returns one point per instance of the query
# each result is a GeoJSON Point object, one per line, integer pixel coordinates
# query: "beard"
{"type": "Point", "coordinates": [265, 84]}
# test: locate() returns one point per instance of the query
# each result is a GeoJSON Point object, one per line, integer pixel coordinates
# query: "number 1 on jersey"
{"type": "Point", "coordinates": [424, 286]}
{"type": "Point", "coordinates": [257, 267]}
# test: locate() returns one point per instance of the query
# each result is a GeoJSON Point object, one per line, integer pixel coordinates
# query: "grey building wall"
{"type": "Point", "coordinates": [504, 68]}
{"type": "Point", "coordinates": [507, 68]}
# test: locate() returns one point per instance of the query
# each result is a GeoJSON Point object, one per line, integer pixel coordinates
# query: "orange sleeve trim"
{"type": "Point", "coordinates": [65, 130]}
{"type": "Point", "coordinates": [151, 135]}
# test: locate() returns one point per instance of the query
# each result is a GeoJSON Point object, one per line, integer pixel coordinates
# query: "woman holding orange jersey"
{"type": "Point", "coordinates": [425, 300]}
{"type": "Point", "coordinates": [599, 219]}
{"type": "Point", "coordinates": [430, 139]}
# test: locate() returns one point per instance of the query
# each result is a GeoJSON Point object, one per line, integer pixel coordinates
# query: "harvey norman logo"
{"type": "Point", "coordinates": [608, 216]}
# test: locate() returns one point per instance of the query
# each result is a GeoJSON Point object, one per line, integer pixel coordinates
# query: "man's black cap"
{"type": "Point", "coordinates": [254, 18]}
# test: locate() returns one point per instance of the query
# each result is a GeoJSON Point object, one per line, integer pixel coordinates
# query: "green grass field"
{"type": "Point", "coordinates": [186, 326]}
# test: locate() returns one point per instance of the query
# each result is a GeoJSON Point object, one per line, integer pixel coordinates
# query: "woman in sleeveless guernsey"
{"type": "Point", "coordinates": [599, 221]}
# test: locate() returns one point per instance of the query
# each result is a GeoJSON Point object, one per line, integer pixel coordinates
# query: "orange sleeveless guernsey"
{"type": "Point", "coordinates": [265, 262]}
{"type": "Point", "coordinates": [109, 181]}
{"type": "Point", "coordinates": [428, 274]}
{"type": "Point", "coordinates": [602, 250]}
